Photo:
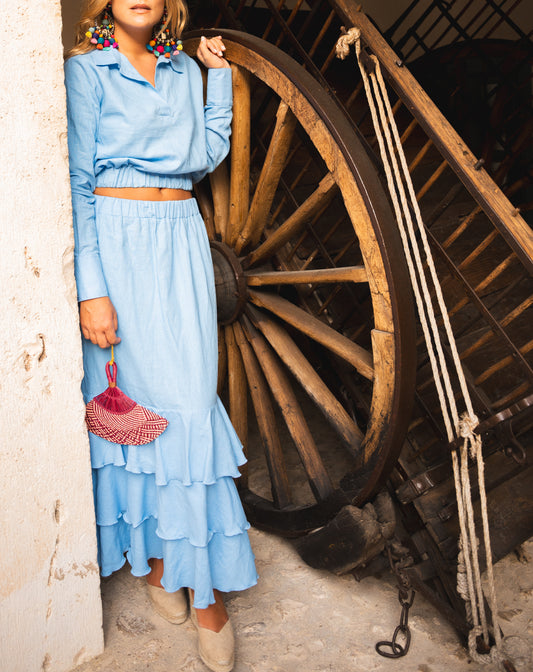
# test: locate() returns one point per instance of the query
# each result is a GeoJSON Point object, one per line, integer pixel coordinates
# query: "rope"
{"type": "Point", "coordinates": [404, 201]}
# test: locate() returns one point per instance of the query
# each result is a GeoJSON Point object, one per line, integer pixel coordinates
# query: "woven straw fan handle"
{"type": "Point", "coordinates": [111, 373]}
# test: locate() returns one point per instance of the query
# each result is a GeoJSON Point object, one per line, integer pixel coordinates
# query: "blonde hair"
{"type": "Point", "coordinates": [93, 13]}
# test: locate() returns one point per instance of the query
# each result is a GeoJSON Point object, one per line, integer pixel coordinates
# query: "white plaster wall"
{"type": "Point", "coordinates": [50, 609]}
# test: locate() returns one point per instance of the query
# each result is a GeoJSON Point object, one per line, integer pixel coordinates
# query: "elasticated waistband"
{"type": "Point", "coordinates": [125, 207]}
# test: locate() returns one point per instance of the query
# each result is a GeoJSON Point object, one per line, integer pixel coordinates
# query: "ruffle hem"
{"type": "Point", "coordinates": [156, 501]}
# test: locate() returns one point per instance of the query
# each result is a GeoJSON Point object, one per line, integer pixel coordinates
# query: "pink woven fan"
{"type": "Point", "coordinates": [117, 418]}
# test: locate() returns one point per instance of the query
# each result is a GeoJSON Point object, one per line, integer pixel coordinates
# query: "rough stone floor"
{"type": "Point", "coordinates": [301, 619]}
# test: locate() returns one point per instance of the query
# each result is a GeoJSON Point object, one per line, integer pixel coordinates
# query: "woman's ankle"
{"type": "Point", "coordinates": [156, 574]}
{"type": "Point", "coordinates": [215, 616]}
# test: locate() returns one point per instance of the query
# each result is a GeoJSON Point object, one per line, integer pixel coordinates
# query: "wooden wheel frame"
{"type": "Point", "coordinates": [310, 277]}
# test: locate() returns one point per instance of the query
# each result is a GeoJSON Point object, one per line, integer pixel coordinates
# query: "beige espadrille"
{"type": "Point", "coordinates": [171, 606]}
{"type": "Point", "coordinates": [216, 649]}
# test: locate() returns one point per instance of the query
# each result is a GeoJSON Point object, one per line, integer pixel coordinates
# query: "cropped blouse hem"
{"type": "Point", "coordinates": [129, 176]}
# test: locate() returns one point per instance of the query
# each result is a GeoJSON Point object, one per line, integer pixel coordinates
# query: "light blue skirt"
{"type": "Point", "coordinates": [173, 498]}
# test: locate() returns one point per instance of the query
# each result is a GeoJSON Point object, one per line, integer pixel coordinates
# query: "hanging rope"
{"type": "Point", "coordinates": [405, 206]}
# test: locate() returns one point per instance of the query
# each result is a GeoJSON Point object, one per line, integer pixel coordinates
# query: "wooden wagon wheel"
{"type": "Point", "coordinates": [311, 289]}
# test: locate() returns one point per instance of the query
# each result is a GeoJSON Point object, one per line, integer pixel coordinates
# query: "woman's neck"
{"type": "Point", "coordinates": [132, 44]}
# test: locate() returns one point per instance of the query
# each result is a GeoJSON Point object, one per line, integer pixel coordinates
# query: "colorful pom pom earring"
{"type": "Point", "coordinates": [103, 35]}
{"type": "Point", "coordinates": [163, 44]}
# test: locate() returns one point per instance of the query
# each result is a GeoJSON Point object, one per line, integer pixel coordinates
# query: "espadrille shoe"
{"type": "Point", "coordinates": [171, 606]}
{"type": "Point", "coordinates": [216, 649]}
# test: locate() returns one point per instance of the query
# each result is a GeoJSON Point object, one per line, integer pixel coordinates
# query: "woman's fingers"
{"type": "Point", "coordinates": [211, 51]}
{"type": "Point", "coordinates": [111, 337]}
{"type": "Point", "coordinates": [104, 339]}
{"type": "Point", "coordinates": [216, 46]}
{"type": "Point", "coordinates": [101, 340]}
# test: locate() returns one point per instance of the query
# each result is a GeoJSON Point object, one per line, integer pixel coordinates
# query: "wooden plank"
{"type": "Point", "coordinates": [266, 421]}
{"type": "Point", "coordinates": [320, 483]}
{"type": "Point", "coordinates": [515, 313]}
{"type": "Point", "coordinates": [357, 356]}
{"type": "Point", "coordinates": [318, 41]}
{"type": "Point", "coordinates": [315, 387]}
{"type": "Point", "coordinates": [268, 179]}
{"type": "Point", "coordinates": [313, 277]}
{"type": "Point", "coordinates": [501, 212]}
{"type": "Point", "coordinates": [479, 249]}
{"type": "Point", "coordinates": [501, 364]}
{"type": "Point", "coordinates": [431, 181]}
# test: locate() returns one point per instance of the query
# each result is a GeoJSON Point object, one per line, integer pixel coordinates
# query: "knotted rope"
{"type": "Point", "coordinates": [405, 203]}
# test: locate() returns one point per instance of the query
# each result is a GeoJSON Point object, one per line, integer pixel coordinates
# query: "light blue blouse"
{"type": "Point", "coordinates": [124, 132]}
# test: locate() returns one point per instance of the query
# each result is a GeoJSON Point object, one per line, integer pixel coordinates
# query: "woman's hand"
{"type": "Point", "coordinates": [211, 52]}
{"type": "Point", "coordinates": [98, 320]}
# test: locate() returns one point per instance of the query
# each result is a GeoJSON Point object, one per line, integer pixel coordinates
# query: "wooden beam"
{"type": "Point", "coordinates": [501, 212]}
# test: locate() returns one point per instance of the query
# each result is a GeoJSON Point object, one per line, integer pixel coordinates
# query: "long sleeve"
{"type": "Point", "coordinates": [217, 118]}
{"type": "Point", "coordinates": [83, 110]}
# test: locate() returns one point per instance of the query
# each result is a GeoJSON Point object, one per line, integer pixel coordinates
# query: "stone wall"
{"type": "Point", "coordinates": [50, 608]}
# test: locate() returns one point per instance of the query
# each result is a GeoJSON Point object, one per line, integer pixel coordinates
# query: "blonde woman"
{"type": "Point", "coordinates": [140, 136]}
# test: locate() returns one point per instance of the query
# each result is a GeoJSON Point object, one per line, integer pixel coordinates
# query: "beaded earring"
{"type": "Point", "coordinates": [104, 35]}
{"type": "Point", "coordinates": [163, 44]}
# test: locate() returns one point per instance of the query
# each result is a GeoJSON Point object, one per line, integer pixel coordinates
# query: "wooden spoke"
{"type": "Point", "coordinates": [240, 154]}
{"type": "Point", "coordinates": [219, 181]}
{"type": "Point", "coordinates": [238, 396]}
{"type": "Point", "coordinates": [300, 367]}
{"type": "Point", "coordinates": [222, 359]}
{"type": "Point", "coordinates": [205, 204]}
{"type": "Point", "coordinates": [318, 200]}
{"type": "Point", "coordinates": [266, 421]}
{"type": "Point", "coordinates": [280, 386]}
{"type": "Point", "coordinates": [357, 356]}
{"type": "Point", "coordinates": [268, 179]}
{"type": "Point", "coordinates": [317, 276]}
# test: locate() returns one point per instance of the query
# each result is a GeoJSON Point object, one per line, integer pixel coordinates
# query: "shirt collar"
{"type": "Point", "coordinates": [112, 57]}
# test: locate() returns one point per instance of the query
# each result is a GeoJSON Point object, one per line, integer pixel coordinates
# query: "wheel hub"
{"type": "Point", "coordinates": [230, 283]}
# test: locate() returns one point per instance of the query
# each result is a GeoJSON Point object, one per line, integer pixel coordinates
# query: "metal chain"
{"type": "Point", "coordinates": [406, 596]}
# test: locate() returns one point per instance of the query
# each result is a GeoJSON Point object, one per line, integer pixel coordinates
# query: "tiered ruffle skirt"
{"type": "Point", "coordinates": [175, 497]}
